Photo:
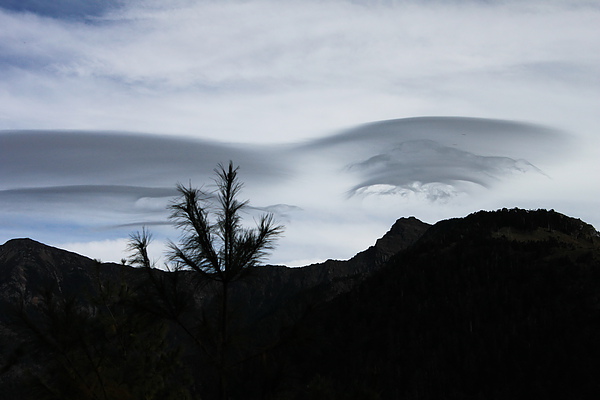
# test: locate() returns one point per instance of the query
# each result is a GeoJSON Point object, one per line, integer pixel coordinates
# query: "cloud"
{"type": "Point", "coordinates": [64, 9]}
{"type": "Point", "coordinates": [265, 71]}
{"type": "Point", "coordinates": [110, 158]}
{"type": "Point", "coordinates": [426, 166]}
{"type": "Point", "coordinates": [103, 107]}
{"type": "Point", "coordinates": [101, 184]}
{"type": "Point", "coordinates": [439, 157]}
{"type": "Point", "coordinates": [492, 136]}
{"type": "Point", "coordinates": [102, 250]}
{"type": "Point", "coordinates": [77, 192]}
{"type": "Point", "coordinates": [86, 202]}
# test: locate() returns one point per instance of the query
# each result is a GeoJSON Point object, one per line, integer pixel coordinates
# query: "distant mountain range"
{"type": "Point", "coordinates": [502, 304]}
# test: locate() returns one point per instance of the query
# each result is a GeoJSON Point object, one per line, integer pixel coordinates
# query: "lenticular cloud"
{"type": "Point", "coordinates": [428, 167]}
{"type": "Point", "coordinates": [437, 157]}
{"type": "Point", "coordinates": [98, 185]}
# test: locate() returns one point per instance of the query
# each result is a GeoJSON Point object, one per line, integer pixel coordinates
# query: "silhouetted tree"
{"type": "Point", "coordinates": [214, 243]}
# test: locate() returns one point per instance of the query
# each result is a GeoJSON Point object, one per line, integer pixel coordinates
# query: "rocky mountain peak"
{"type": "Point", "coordinates": [20, 244]}
{"type": "Point", "coordinates": [402, 234]}
{"type": "Point", "coordinates": [27, 252]}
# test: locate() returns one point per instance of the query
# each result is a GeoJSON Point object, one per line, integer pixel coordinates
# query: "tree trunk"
{"type": "Point", "coordinates": [223, 345]}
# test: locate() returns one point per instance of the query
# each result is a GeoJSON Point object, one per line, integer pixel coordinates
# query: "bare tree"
{"type": "Point", "coordinates": [214, 243]}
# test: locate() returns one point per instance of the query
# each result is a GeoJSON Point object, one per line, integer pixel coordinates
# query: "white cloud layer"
{"type": "Point", "coordinates": [295, 81]}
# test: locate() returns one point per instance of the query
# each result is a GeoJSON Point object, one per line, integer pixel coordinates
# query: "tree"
{"type": "Point", "coordinates": [214, 243]}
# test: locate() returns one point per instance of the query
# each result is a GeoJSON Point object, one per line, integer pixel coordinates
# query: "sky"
{"type": "Point", "coordinates": [343, 115]}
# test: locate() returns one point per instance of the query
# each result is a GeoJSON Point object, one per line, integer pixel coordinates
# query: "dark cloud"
{"type": "Point", "coordinates": [114, 180]}
{"type": "Point", "coordinates": [282, 212]}
{"type": "Point", "coordinates": [91, 190]}
{"type": "Point", "coordinates": [34, 158]}
{"type": "Point", "coordinates": [140, 224]}
{"type": "Point", "coordinates": [456, 131]}
{"type": "Point", "coordinates": [62, 9]}
{"type": "Point", "coordinates": [91, 197]}
{"type": "Point", "coordinates": [279, 208]}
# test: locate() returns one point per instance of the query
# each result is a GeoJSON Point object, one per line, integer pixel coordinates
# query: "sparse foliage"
{"type": "Point", "coordinates": [214, 244]}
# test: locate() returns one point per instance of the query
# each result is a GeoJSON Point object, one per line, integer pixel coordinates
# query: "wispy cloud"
{"type": "Point", "coordinates": [276, 71]}
{"type": "Point", "coordinates": [62, 9]}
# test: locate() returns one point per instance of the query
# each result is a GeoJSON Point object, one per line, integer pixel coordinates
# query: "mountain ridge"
{"type": "Point", "coordinates": [469, 312]}
{"type": "Point", "coordinates": [498, 304]}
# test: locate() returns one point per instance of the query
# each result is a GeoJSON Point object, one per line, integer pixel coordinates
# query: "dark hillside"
{"type": "Point", "coordinates": [77, 302]}
{"type": "Point", "coordinates": [28, 267]}
{"type": "Point", "coordinates": [270, 289]}
{"type": "Point", "coordinates": [498, 305]}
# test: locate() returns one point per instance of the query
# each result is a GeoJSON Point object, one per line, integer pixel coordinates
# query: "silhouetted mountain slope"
{"type": "Point", "coordinates": [276, 286]}
{"type": "Point", "coordinates": [270, 300]}
{"type": "Point", "coordinates": [499, 305]}
{"type": "Point", "coordinates": [496, 305]}
{"type": "Point", "coordinates": [69, 329]}
{"type": "Point", "coordinates": [28, 267]}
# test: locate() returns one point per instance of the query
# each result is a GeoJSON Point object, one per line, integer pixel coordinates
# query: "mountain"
{"type": "Point", "coordinates": [26, 266]}
{"type": "Point", "coordinates": [33, 274]}
{"type": "Point", "coordinates": [497, 305]}
{"type": "Point", "coordinates": [502, 304]}
{"type": "Point", "coordinates": [323, 281]}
